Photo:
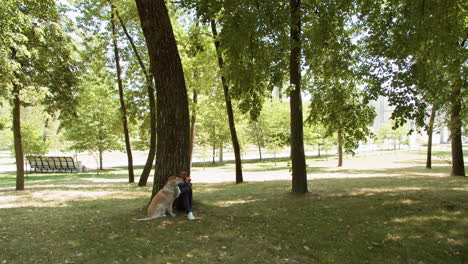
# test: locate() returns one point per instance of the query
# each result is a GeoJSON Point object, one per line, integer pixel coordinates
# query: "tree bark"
{"type": "Point", "coordinates": [100, 160]}
{"type": "Point", "coordinates": [458, 164]}
{"type": "Point", "coordinates": [430, 130]}
{"type": "Point", "coordinates": [260, 150]}
{"type": "Point", "coordinates": [150, 90]}
{"type": "Point", "coordinates": [299, 174]}
{"type": "Point", "coordinates": [17, 137]}
{"type": "Point", "coordinates": [221, 152]}
{"type": "Point", "coordinates": [123, 108]}
{"type": "Point", "coordinates": [173, 123]}
{"type": "Point", "coordinates": [46, 127]}
{"type": "Point", "coordinates": [340, 149]}
{"type": "Point", "coordinates": [193, 125]}
{"type": "Point", "coordinates": [230, 112]}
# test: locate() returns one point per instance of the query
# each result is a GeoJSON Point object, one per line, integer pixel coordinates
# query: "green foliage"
{"type": "Point", "coordinates": [340, 108]}
{"type": "Point", "coordinates": [96, 126]}
{"type": "Point", "coordinates": [38, 54]}
{"type": "Point", "coordinates": [253, 45]}
{"type": "Point", "coordinates": [389, 133]}
{"type": "Point", "coordinates": [411, 56]}
{"type": "Point", "coordinates": [33, 140]}
{"type": "Point", "coordinates": [212, 127]}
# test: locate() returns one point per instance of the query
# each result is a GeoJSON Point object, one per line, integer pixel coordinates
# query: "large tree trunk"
{"type": "Point", "coordinates": [193, 125]}
{"type": "Point", "coordinates": [430, 130]}
{"type": "Point", "coordinates": [230, 112]}
{"type": "Point", "coordinates": [458, 164]}
{"type": "Point", "coordinates": [340, 149]}
{"type": "Point", "coordinates": [150, 90]}
{"type": "Point", "coordinates": [299, 174]}
{"type": "Point", "coordinates": [173, 124]}
{"type": "Point", "coordinates": [17, 137]}
{"type": "Point", "coordinates": [123, 108]}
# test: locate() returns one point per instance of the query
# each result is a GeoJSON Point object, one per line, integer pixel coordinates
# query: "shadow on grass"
{"type": "Point", "coordinates": [381, 220]}
{"type": "Point", "coordinates": [406, 171]}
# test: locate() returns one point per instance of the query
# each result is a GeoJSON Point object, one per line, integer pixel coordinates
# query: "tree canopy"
{"type": "Point", "coordinates": [219, 72]}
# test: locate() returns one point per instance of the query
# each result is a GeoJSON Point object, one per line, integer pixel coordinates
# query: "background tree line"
{"type": "Point", "coordinates": [104, 78]}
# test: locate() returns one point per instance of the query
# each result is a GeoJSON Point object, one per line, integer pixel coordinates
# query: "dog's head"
{"type": "Point", "coordinates": [173, 181]}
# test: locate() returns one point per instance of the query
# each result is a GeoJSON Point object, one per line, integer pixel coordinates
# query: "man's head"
{"type": "Point", "coordinates": [183, 175]}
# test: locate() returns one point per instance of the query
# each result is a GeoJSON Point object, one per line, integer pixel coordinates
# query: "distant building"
{"type": "Point", "coordinates": [384, 113]}
{"type": "Point", "coordinates": [383, 110]}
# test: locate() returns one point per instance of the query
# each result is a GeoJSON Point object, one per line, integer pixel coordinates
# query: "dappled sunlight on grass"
{"type": "Point", "coordinates": [98, 180]}
{"type": "Point", "coordinates": [49, 197]}
{"type": "Point", "coordinates": [236, 202]}
{"type": "Point", "coordinates": [373, 191]}
{"type": "Point", "coordinates": [421, 219]}
{"type": "Point", "coordinates": [417, 217]}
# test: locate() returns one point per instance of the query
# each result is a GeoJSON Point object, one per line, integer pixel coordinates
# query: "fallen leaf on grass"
{"type": "Point", "coordinates": [113, 236]}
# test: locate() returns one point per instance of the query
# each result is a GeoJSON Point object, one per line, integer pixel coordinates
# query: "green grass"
{"type": "Point", "coordinates": [85, 218]}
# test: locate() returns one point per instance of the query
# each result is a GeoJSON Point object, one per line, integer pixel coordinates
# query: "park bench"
{"type": "Point", "coordinates": [51, 164]}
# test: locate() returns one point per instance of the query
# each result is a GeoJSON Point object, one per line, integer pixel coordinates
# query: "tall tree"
{"type": "Point", "coordinates": [152, 103]}
{"type": "Point", "coordinates": [421, 57]}
{"type": "Point", "coordinates": [430, 130]}
{"type": "Point", "coordinates": [37, 60]}
{"type": "Point", "coordinates": [230, 112]}
{"type": "Point", "coordinates": [213, 128]}
{"type": "Point", "coordinates": [299, 172]}
{"type": "Point", "coordinates": [173, 142]}
{"type": "Point", "coordinates": [123, 108]}
{"type": "Point", "coordinates": [17, 136]}
{"type": "Point", "coordinates": [96, 126]}
{"type": "Point", "coordinates": [341, 108]}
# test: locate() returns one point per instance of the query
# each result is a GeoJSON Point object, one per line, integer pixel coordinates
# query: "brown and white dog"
{"type": "Point", "coordinates": [164, 199]}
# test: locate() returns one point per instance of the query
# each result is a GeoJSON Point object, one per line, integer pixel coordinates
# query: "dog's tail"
{"type": "Point", "coordinates": [144, 219]}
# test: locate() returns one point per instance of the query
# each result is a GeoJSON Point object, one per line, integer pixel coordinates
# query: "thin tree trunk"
{"type": "Point", "coordinates": [214, 153]}
{"type": "Point", "coordinates": [299, 173]}
{"type": "Point", "coordinates": [100, 160]}
{"type": "Point", "coordinates": [150, 90]}
{"type": "Point", "coordinates": [260, 151]}
{"type": "Point", "coordinates": [221, 151]}
{"type": "Point", "coordinates": [458, 164]}
{"type": "Point", "coordinates": [193, 125]}
{"type": "Point", "coordinates": [173, 122]}
{"type": "Point", "coordinates": [123, 108]}
{"type": "Point", "coordinates": [46, 126]}
{"type": "Point", "coordinates": [340, 149]}
{"type": "Point", "coordinates": [17, 137]}
{"type": "Point", "coordinates": [230, 112]}
{"type": "Point", "coordinates": [430, 130]}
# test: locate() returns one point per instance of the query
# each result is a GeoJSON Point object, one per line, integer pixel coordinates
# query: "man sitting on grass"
{"type": "Point", "coordinates": [184, 201]}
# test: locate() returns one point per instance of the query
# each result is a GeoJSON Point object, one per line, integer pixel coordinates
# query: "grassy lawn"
{"type": "Point", "coordinates": [86, 218]}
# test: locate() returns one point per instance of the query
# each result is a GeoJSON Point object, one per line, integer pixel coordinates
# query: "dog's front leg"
{"type": "Point", "coordinates": [169, 209]}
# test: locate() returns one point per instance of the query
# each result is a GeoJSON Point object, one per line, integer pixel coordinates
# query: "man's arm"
{"type": "Point", "coordinates": [184, 187]}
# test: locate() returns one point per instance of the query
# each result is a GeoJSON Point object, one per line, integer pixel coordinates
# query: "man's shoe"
{"type": "Point", "coordinates": [190, 216]}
